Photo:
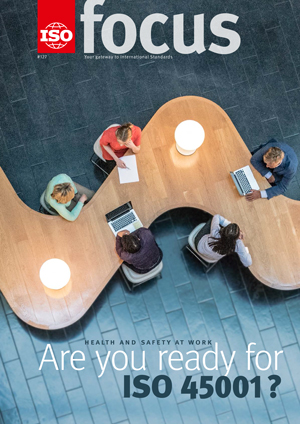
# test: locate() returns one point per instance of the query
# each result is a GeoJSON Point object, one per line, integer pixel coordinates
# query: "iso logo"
{"type": "Point", "coordinates": [56, 35]}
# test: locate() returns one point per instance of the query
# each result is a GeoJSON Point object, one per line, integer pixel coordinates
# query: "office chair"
{"type": "Point", "coordinates": [100, 162]}
{"type": "Point", "coordinates": [43, 206]}
{"type": "Point", "coordinates": [208, 265]}
{"type": "Point", "coordinates": [133, 279]}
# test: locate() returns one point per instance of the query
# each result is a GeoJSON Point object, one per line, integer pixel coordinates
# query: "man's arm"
{"type": "Point", "coordinates": [281, 187]}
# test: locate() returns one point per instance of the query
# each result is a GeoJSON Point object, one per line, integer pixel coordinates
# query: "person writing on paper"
{"type": "Point", "coordinates": [115, 142]}
{"type": "Point", "coordinates": [138, 250]}
{"type": "Point", "coordinates": [66, 197]}
{"type": "Point", "coordinates": [277, 162]}
{"type": "Point", "coordinates": [219, 237]}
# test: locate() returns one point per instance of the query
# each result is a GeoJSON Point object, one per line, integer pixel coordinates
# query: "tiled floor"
{"type": "Point", "coordinates": [51, 112]}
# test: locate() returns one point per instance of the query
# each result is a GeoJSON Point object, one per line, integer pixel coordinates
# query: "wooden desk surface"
{"type": "Point", "coordinates": [167, 180]}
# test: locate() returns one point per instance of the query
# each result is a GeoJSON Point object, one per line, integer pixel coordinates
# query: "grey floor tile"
{"type": "Point", "coordinates": [8, 351]}
{"type": "Point", "coordinates": [88, 378]}
{"type": "Point", "coordinates": [29, 133]}
{"type": "Point", "coordinates": [24, 346]}
{"type": "Point", "coordinates": [113, 397]}
{"type": "Point", "coordinates": [67, 419]}
{"type": "Point", "coordinates": [272, 343]}
{"type": "Point", "coordinates": [69, 375]}
{"type": "Point", "coordinates": [28, 22]}
{"type": "Point", "coordinates": [47, 79]}
{"type": "Point", "coordinates": [11, 416]}
{"type": "Point", "coordinates": [226, 418]}
{"type": "Point", "coordinates": [284, 61]}
{"type": "Point", "coordinates": [292, 407]}
{"type": "Point", "coordinates": [246, 318]}
{"type": "Point", "coordinates": [41, 400]}
{"type": "Point", "coordinates": [281, 105]}
{"type": "Point", "coordinates": [18, 43]}
{"type": "Point", "coordinates": [79, 406]}
{"type": "Point", "coordinates": [38, 106]}
{"type": "Point", "coordinates": [68, 92]}
{"type": "Point", "coordinates": [192, 312]}
{"type": "Point", "coordinates": [56, 389]}
{"type": "Point", "coordinates": [6, 397]}
{"type": "Point", "coordinates": [292, 354]}
{"type": "Point", "coordinates": [10, 75]}
{"type": "Point", "coordinates": [290, 29]}
{"type": "Point", "coordinates": [221, 294]}
{"type": "Point", "coordinates": [104, 313]}
{"type": "Point", "coordinates": [214, 326]}
{"type": "Point", "coordinates": [156, 311]}
{"type": "Point", "coordinates": [188, 412]}
{"type": "Point", "coordinates": [100, 414]}
{"type": "Point", "coordinates": [136, 305]}
{"type": "Point", "coordinates": [21, 392]}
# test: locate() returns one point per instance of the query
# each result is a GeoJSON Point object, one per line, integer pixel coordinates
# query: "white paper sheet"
{"type": "Point", "coordinates": [128, 175]}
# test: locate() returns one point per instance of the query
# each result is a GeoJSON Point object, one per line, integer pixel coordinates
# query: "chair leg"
{"type": "Point", "coordinates": [207, 266]}
{"type": "Point", "coordinates": [196, 256]}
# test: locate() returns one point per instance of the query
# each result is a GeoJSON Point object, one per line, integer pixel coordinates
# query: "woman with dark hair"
{"type": "Point", "coordinates": [66, 197]}
{"type": "Point", "coordinates": [116, 141]}
{"type": "Point", "coordinates": [138, 250]}
{"type": "Point", "coordinates": [219, 237]}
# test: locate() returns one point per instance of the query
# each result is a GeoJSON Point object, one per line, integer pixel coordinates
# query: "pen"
{"type": "Point", "coordinates": [127, 168]}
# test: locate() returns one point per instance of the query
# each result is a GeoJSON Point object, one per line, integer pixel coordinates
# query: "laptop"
{"type": "Point", "coordinates": [123, 218]}
{"type": "Point", "coordinates": [244, 180]}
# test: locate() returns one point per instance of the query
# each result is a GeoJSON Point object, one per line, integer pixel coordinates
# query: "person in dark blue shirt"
{"type": "Point", "coordinates": [278, 163]}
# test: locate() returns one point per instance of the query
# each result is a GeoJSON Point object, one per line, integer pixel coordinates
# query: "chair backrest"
{"type": "Point", "coordinates": [97, 147]}
{"type": "Point", "coordinates": [191, 242]}
{"type": "Point", "coordinates": [44, 204]}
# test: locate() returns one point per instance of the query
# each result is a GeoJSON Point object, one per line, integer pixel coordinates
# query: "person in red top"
{"type": "Point", "coordinates": [116, 141]}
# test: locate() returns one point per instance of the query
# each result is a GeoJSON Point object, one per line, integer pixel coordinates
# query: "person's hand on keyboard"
{"type": "Point", "coordinates": [253, 195]}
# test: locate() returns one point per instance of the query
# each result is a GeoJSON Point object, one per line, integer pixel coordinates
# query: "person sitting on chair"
{"type": "Point", "coordinates": [66, 197]}
{"type": "Point", "coordinates": [138, 250]}
{"type": "Point", "coordinates": [115, 143]}
{"type": "Point", "coordinates": [219, 237]}
{"type": "Point", "coordinates": [277, 162]}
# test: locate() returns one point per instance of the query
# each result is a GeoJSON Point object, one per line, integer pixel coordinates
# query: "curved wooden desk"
{"type": "Point", "coordinates": [167, 180]}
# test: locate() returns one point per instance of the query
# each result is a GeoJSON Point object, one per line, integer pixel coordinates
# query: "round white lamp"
{"type": "Point", "coordinates": [189, 135]}
{"type": "Point", "coordinates": [55, 274]}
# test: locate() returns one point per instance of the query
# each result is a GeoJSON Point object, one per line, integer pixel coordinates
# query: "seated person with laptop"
{"type": "Point", "coordinates": [138, 250]}
{"type": "Point", "coordinates": [218, 238]}
{"type": "Point", "coordinates": [277, 162]}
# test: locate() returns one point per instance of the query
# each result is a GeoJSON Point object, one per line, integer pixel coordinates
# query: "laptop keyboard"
{"type": "Point", "coordinates": [122, 222]}
{"type": "Point", "coordinates": [243, 180]}
{"type": "Point", "coordinates": [118, 211]}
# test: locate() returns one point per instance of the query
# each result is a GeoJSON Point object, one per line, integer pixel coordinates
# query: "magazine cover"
{"type": "Point", "coordinates": [149, 212]}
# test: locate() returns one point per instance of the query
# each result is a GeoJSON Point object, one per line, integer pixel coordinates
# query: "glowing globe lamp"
{"type": "Point", "coordinates": [189, 135]}
{"type": "Point", "coordinates": [55, 274]}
